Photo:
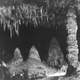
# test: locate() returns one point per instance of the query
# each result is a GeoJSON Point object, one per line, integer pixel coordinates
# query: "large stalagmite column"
{"type": "Point", "coordinates": [72, 38]}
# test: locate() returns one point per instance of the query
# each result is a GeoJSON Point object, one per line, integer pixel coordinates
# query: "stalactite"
{"type": "Point", "coordinates": [12, 17]}
{"type": "Point", "coordinates": [72, 28]}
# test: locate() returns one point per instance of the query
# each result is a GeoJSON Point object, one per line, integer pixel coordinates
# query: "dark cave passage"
{"type": "Point", "coordinates": [39, 36]}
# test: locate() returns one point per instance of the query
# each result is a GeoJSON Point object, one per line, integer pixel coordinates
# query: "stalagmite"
{"type": "Point", "coordinates": [37, 67]}
{"type": "Point", "coordinates": [72, 38]}
{"type": "Point", "coordinates": [14, 65]}
{"type": "Point", "coordinates": [17, 57]}
{"type": "Point", "coordinates": [56, 58]}
{"type": "Point", "coordinates": [34, 54]}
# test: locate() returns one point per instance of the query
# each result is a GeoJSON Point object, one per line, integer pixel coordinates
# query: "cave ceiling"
{"type": "Point", "coordinates": [14, 13]}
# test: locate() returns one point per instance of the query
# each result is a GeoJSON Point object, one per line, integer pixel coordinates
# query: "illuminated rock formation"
{"type": "Point", "coordinates": [36, 69]}
{"type": "Point", "coordinates": [72, 38]}
{"type": "Point", "coordinates": [12, 18]}
{"type": "Point", "coordinates": [17, 56]}
{"type": "Point", "coordinates": [33, 53]}
{"type": "Point", "coordinates": [56, 58]}
{"type": "Point", "coordinates": [16, 61]}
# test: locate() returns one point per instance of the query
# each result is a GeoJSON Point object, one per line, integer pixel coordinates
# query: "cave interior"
{"type": "Point", "coordinates": [40, 36]}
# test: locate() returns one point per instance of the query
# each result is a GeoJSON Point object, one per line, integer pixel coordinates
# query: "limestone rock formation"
{"type": "Point", "coordinates": [56, 58]}
{"type": "Point", "coordinates": [34, 54]}
{"type": "Point", "coordinates": [17, 56]}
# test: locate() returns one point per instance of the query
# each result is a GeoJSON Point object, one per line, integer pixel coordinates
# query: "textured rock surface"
{"type": "Point", "coordinates": [34, 53]}
{"type": "Point", "coordinates": [56, 58]}
{"type": "Point", "coordinates": [17, 56]}
{"type": "Point", "coordinates": [15, 13]}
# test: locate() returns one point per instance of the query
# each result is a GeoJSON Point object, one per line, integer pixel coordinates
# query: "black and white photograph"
{"type": "Point", "coordinates": [39, 39]}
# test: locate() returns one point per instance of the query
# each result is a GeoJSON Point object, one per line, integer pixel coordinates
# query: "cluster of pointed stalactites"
{"type": "Point", "coordinates": [12, 17]}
